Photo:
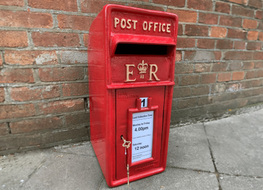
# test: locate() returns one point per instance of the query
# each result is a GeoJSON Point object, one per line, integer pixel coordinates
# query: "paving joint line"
{"type": "Point", "coordinates": [71, 153]}
{"type": "Point", "coordinates": [213, 159]}
{"type": "Point", "coordinates": [34, 171]}
{"type": "Point", "coordinates": [209, 172]}
{"type": "Point", "coordinates": [101, 182]}
{"type": "Point", "coordinates": [191, 169]}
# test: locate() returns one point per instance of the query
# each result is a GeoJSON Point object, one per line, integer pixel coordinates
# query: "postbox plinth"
{"type": "Point", "coordinates": [131, 76]}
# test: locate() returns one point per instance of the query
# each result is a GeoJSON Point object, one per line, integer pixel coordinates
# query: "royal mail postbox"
{"type": "Point", "coordinates": [131, 56]}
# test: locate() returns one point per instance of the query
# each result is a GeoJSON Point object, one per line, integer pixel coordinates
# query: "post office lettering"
{"type": "Point", "coordinates": [123, 23]}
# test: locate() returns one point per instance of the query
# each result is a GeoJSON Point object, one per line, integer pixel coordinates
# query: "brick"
{"type": "Point", "coordinates": [144, 6]}
{"type": "Point", "coordinates": [176, 80]}
{"type": "Point", "coordinates": [250, 24]}
{"type": "Point", "coordinates": [251, 83]}
{"type": "Point", "coordinates": [13, 39]}
{"type": "Point", "coordinates": [242, 11]}
{"type": "Point", "coordinates": [255, 3]}
{"type": "Point", "coordinates": [260, 26]}
{"type": "Point", "coordinates": [62, 106]}
{"type": "Point", "coordinates": [43, 140]}
{"type": "Point", "coordinates": [258, 55]}
{"type": "Point", "coordinates": [236, 33]}
{"type": "Point", "coordinates": [74, 22]}
{"type": "Point", "coordinates": [218, 55]}
{"type": "Point", "coordinates": [94, 6]}
{"type": "Point", "coordinates": [202, 55]}
{"type": "Point", "coordinates": [248, 65]}
{"type": "Point", "coordinates": [182, 92]}
{"type": "Point", "coordinates": [189, 55]}
{"type": "Point", "coordinates": [250, 74]}
{"type": "Point", "coordinates": [187, 103]}
{"type": "Point", "coordinates": [22, 94]}
{"type": "Point", "coordinates": [1, 60]}
{"type": "Point", "coordinates": [19, 3]}
{"type": "Point", "coordinates": [204, 100]}
{"type": "Point", "coordinates": [223, 77]}
{"type": "Point", "coordinates": [189, 80]}
{"type": "Point", "coordinates": [207, 18]}
{"type": "Point", "coordinates": [185, 42]}
{"type": "Point", "coordinates": [238, 55]}
{"type": "Point", "coordinates": [260, 36]}
{"type": "Point", "coordinates": [3, 129]}
{"type": "Point", "coordinates": [77, 119]}
{"type": "Point", "coordinates": [177, 3]}
{"type": "Point", "coordinates": [195, 30]}
{"type": "Point", "coordinates": [182, 116]}
{"type": "Point", "coordinates": [200, 90]}
{"type": "Point", "coordinates": [25, 19]}
{"type": "Point", "coordinates": [64, 5]}
{"type": "Point", "coordinates": [252, 35]}
{"type": "Point", "coordinates": [49, 39]}
{"type": "Point", "coordinates": [238, 75]}
{"type": "Point", "coordinates": [10, 75]}
{"type": "Point", "coordinates": [41, 124]}
{"type": "Point", "coordinates": [224, 44]}
{"type": "Point", "coordinates": [180, 29]}
{"type": "Point", "coordinates": [86, 39]}
{"type": "Point", "coordinates": [178, 56]}
{"type": "Point", "coordinates": [230, 21]}
{"type": "Point", "coordinates": [202, 67]}
{"type": "Point", "coordinates": [200, 4]}
{"type": "Point", "coordinates": [183, 68]}
{"type": "Point", "coordinates": [239, 45]}
{"type": "Point", "coordinates": [73, 57]}
{"type": "Point", "coordinates": [254, 74]}
{"type": "Point", "coordinates": [2, 94]}
{"type": "Point", "coordinates": [258, 65]}
{"type": "Point", "coordinates": [242, 2]}
{"type": "Point", "coordinates": [206, 43]}
{"type": "Point", "coordinates": [208, 78]}
{"type": "Point", "coordinates": [222, 7]}
{"type": "Point", "coordinates": [30, 57]}
{"type": "Point", "coordinates": [185, 15]}
{"type": "Point", "coordinates": [75, 89]}
{"type": "Point", "coordinates": [234, 66]}
{"type": "Point", "coordinates": [17, 111]}
{"type": "Point", "coordinates": [220, 66]}
{"type": "Point", "coordinates": [259, 14]}
{"type": "Point", "coordinates": [218, 32]}
{"type": "Point", "coordinates": [254, 46]}
{"type": "Point", "coordinates": [61, 74]}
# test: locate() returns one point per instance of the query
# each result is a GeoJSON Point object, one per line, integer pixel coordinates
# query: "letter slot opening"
{"type": "Point", "coordinates": [142, 49]}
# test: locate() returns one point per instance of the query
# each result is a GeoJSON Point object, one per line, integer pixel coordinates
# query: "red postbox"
{"type": "Point", "coordinates": [131, 76]}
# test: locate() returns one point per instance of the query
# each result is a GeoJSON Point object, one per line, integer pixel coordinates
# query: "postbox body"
{"type": "Point", "coordinates": [131, 76]}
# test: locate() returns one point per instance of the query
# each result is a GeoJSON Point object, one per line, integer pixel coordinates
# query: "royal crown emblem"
{"type": "Point", "coordinates": [142, 67]}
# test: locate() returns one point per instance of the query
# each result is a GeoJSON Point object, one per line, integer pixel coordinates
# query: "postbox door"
{"type": "Point", "coordinates": [142, 125]}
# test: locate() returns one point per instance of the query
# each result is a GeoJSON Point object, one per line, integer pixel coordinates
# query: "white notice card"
{"type": "Point", "coordinates": [142, 135]}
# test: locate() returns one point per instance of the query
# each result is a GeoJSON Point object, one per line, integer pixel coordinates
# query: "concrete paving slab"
{"type": "Point", "coordinates": [16, 169]}
{"type": "Point", "coordinates": [236, 144]}
{"type": "Point", "coordinates": [240, 183]}
{"type": "Point", "coordinates": [67, 172]}
{"type": "Point", "coordinates": [172, 179]}
{"type": "Point", "coordinates": [188, 148]}
{"type": "Point", "coordinates": [84, 149]}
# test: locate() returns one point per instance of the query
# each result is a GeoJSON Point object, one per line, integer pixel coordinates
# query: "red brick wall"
{"type": "Point", "coordinates": [43, 64]}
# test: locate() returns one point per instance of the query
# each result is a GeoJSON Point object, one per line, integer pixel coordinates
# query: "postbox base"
{"type": "Point", "coordinates": [135, 177]}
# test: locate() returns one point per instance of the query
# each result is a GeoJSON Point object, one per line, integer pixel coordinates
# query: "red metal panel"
{"type": "Point", "coordinates": [126, 103]}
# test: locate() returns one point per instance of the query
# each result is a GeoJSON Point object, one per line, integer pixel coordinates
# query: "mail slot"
{"type": "Point", "coordinates": [131, 54]}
